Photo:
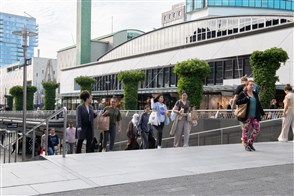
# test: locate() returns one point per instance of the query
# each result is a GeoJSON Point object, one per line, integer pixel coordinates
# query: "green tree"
{"type": "Point", "coordinates": [192, 73]}
{"type": "Point", "coordinates": [50, 94]}
{"type": "Point", "coordinates": [130, 81]}
{"type": "Point", "coordinates": [9, 99]}
{"type": "Point", "coordinates": [265, 65]}
{"type": "Point", "coordinates": [30, 97]}
{"type": "Point", "coordinates": [85, 83]}
{"type": "Point", "coordinates": [17, 93]}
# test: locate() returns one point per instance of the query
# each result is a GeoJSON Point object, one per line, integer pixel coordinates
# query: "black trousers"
{"type": "Point", "coordinates": [159, 129]}
{"type": "Point", "coordinates": [89, 138]}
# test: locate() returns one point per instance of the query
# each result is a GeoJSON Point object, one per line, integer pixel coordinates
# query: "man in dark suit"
{"type": "Point", "coordinates": [85, 118]}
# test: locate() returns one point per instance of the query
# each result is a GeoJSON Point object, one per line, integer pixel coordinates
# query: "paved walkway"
{"type": "Point", "coordinates": [218, 168]}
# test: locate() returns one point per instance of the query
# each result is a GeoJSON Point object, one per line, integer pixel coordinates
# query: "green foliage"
{"type": "Point", "coordinates": [130, 81]}
{"type": "Point", "coordinates": [264, 65]}
{"type": "Point", "coordinates": [50, 94]}
{"type": "Point", "coordinates": [192, 73]}
{"type": "Point", "coordinates": [85, 83]}
{"type": "Point", "coordinates": [9, 99]}
{"type": "Point", "coordinates": [17, 93]}
{"type": "Point", "coordinates": [30, 97]}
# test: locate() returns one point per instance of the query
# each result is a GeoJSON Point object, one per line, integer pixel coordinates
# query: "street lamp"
{"type": "Point", "coordinates": [25, 33]}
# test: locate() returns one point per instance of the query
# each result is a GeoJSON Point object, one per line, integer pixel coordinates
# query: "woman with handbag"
{"type": "Point", "coordinates": [114, 124]}
{"type": "Point", "coordinates": [253, 114]}
{"type": "Point", "coordinates": [84, 120]}
{"type": "Point", "coordinates": [161, 109]}
{"type": "Point", "coordinates": [288, 114]}
{"type": "Point", "coordinates": [182, 109]}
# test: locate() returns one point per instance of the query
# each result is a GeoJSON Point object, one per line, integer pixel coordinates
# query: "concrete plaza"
{"type": "Point", "coordinates": [204, 170]}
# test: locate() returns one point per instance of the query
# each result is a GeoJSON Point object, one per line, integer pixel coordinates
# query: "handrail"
{"type": "Point", "coordinates": [46, 121]}
{"type": "Point", "coordinates": [207, 131]}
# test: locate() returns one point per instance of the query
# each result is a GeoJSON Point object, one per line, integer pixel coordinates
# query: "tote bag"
{"type": "Point", "coordinates": [241, 110]}
{"type": "Point", "coordinates": [103, 123]}
{"type": "Point", "coordinates": [153, 118]}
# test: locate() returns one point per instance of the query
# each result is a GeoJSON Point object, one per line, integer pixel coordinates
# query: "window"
{"type": "Point", "coordinates": [179, 13]}
{"type": "Point", "coordinates": [228, 67]}
{"type": "Point", "coordinates": [36, 74]}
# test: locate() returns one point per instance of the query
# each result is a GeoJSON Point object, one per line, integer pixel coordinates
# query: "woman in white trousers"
{"type": "Point", "coordinates": [288, 114]}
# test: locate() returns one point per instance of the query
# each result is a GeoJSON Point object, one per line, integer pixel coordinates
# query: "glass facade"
{"type": "Point", "coordinates": [269, 4]}
{"type": "Point", "coordinates": [165, 78]}
{"type": "Point", "coordinates": [10, 44]}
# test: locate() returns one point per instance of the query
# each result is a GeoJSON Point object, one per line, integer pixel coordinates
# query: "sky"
{"type": "Point", "coordinates": [57, 19]}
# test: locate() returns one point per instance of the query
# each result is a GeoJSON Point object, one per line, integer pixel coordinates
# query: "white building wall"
{"type": "Point", "coordinates": [35, 75]}
{"type": "Point", "coordinates": [219, 49]}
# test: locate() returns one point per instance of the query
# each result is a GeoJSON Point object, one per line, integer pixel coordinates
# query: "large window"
{"type": "Point", "coordinates": [271, 4]}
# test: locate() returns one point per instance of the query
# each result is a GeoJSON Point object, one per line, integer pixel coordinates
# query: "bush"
{"type": "Point", "coordinates": [130, 81]}
{"type": "Point", "coordinates": [30, 97]}
{"type": "Point", "coordinates": [17, 93]}
{"type": "Point", "coordinates": [85, 83]}
{"type": "Point", "coordinates": [192, 73]}
{"type": "Point", "coordinates": [50, 94]}
{"type": "Point", "coordinates": [265, 65]}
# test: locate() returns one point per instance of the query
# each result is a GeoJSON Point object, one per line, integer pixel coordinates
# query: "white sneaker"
{"type": "Point", "coordinates": [158, 147]}
{"type": "Point", "coordinates": [104, 150]}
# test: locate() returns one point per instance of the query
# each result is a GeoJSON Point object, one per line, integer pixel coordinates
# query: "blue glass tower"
{"type": "Point", "coordinates": [287, 5]}
{"type": "Point", "coordinates": [11, 49]}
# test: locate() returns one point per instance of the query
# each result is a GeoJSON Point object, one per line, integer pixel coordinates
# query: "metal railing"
{"type": "Point", "coordinates": [33, 131]}
{"type": "Point", "coordinates": [270, 116]}
{"type": "Point", "coordinates": [7, 148]}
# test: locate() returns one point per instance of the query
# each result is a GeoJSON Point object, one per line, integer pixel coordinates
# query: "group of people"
{"type": "Point", "coordinates": [151, 134]}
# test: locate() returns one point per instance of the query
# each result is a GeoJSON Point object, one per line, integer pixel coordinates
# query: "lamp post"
{"type": "Point", "coordinates": [25, 33]}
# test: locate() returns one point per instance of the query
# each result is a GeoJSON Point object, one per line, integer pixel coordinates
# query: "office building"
{"type": "Point", "coordinates": [10, 44]}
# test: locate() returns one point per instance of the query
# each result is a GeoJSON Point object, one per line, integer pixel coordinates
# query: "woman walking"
{"type": "Point", "coordinates": [159, 106]}
{"type": "Point", "coordinates": [85, 117]}
{"type": "Point", "coordinates": [254, 112]}
{"type": "Point", "coordinates": [114, 124]}
{"type": "Point", "coordinates": [288, 114]}
{"type": "Point", "coordinates": [182, 108]}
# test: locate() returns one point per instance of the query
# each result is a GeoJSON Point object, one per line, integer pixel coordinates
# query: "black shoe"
{"type": "Point", "coordinates": [251, 146]}
{"type": "Point", "coordinates": [247, 148]}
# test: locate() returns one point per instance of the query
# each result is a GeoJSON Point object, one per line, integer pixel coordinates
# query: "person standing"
{"type": "Point", "coordinates": [85, 118]}
{"type": "Point", "coordinates": [132, 133]}
{"type": "Point", "coordinates": [254, 112]}
{"type": "Point", "coordinates": [53, 142]}
{"type": "Point", "coordinates": [144, 127]}
{"type": "Point", "coordinates": [288, 114]}
{"type": "Point", "coordinates": [114, 123]}
{"type": "Point", "coordinates": [70, 138]}
{"type": "Point", "coordinates": [182, 108]}
{"type": "Point", "coordinates": [161, 109]}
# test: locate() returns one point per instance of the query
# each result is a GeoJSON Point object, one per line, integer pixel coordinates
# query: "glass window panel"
{"type": "Point", "coordinates": [225, 2]}
{"type": "Point", "coordinates": [219, 72]}
{"type": "Point", "coordinates": [166, 76]}
{"type": "Point", "coordinates": [238, 2]}
{"type": "Point", "coordinates": [258, 3]}
{"type": "Point", "coordinates": [160, 78]}
{"type": "Point", "coordinates": [210, 78]}
{"type": "Point", "coordinates": [246, 3]}
{"type": "Point", "coordinates": [228, 67]}
{"type": "Point", "coordinates": [270, 3]}
{"type": "Point", "coordinates": [173, 78]}
{"type": "Point", "coordinates": [238, 68]}
{"type": "Point", "coordinates": [283, 5]}
{"type": "Point", "coordinates": [232, 2]}
{"type": "Point", "coordinates": [289, 5]}
{"type": "Point", "coordinates": [247, 68]}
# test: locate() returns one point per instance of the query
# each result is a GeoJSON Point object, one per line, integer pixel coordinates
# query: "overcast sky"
{"type": "Point", "coordinates": [57, 19]}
